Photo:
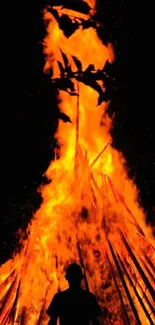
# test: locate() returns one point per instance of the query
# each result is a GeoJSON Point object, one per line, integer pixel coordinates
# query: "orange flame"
{"type": "Point", "coordinates": [89, 207]}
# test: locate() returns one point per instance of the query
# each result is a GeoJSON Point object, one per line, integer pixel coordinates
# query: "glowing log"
{"type": "Point", "coordinates": [125, 314]}
{"type": "Point", "coordinates": [135, 291]}
{"type": "Point", "coordinates": [124, 285]}
{"type": "Point", "coordinates": [141, 272]}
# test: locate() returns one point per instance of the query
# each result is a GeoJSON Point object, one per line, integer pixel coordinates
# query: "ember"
{"type": "Point", "coordinates": [89, 201]}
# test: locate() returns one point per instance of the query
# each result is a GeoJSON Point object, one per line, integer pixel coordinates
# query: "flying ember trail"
{"type": "Point", "coordinates": [90, 212]}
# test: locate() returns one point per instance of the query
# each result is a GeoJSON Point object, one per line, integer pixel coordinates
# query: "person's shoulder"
{"type": "Point", "coordinates": [59, 296]}
{"type": "Point", "coordinates": [62, 293]}
{"type": "Point", "coordinates": [92, 296]}
{"type": "Point", "coordinates": [89, 294]}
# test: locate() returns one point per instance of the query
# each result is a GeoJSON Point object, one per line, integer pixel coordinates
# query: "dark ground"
{"type": "Point", "coordinates": [29, 112]}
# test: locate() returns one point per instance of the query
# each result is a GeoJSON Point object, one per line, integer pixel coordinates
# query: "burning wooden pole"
{"type": "Point", "coordinates": [148, 270]}
{"type": "Point", "coordinates": [143, 292]}
{"type": "Point", "coordinates": [135, 291]}
{"type": "Point", "coordinates": [8, 300]}
{"type": "Point", "coordinates": [13, 311]}
{"type": "Point", "coordinates": [95, 201]}
{"type": "Point", "coordinates": [23, 317]}
{"type": "Point", "coordinates": [127, 208]}
{"type": "Point", "coordinates": [113, 189]}
{"type": "Point", "coordinates": [94, 183]}
{"type": "Point", "coordinates": [100, 154]}
{"type": "Point", "coordinates": [149, 262]}
{"type": "Point", "coordinates": [104, 184]}
{"type": "Point", "coordinates": [82, 265]}
{"type": "Point", "coordinates": [124, 284]}
{"type": "Point", "coordinates": [4, 284]}
{"type": "Point", "coordinates": [76, 166]}
{"type": "Point", "coordinates": [10, 277]}
{"type": "Point", "coordinates": [141, 272]}
{"type": "Point", "coordinates": [140, 230]}
{"type": "Point", "coordinates": [126, 317]}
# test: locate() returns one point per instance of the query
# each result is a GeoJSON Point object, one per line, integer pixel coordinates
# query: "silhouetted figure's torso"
{"type": "Point", "coordinates": [74, 307]}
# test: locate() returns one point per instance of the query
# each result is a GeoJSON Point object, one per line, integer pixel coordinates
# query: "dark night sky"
{"type": "Point", "coordinates": [29, 111]}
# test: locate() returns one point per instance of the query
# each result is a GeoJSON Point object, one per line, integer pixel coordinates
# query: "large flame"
{"type": "Point", "coordinates": [86, 204]}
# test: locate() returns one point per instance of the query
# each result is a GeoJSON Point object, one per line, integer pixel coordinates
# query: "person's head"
{"type": "Point", "coordinates": [74, 275]}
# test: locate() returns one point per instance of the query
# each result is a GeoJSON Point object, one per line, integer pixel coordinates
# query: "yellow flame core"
{"type": "Point", "coordinates": [69, 207]}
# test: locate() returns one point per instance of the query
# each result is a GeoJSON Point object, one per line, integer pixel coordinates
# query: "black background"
{"type": "Point", "coordinates": [29, 113]}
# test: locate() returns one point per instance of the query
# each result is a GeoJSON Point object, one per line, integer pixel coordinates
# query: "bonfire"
{"type": "Point", "coordinates": [90, 212]}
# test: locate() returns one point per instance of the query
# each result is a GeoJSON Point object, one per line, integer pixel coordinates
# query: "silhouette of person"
{"type": "Point", "coordinates": [74, 306]}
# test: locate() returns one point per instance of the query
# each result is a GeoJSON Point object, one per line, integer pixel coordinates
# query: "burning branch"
{"type": "Point", "coordinates": [148, 270]}
{"type": "Point", "coordinates": [4, 284]}
{"type": "Point", "coordinates": [112, 188]}
{"type": "Point", "coordinates": [149, 262]}
{"type": "Point", "coordinates": [135, 291]}
{"type": "Point", "coordinates": [13, 311]}
{"type": "Point", "coordinates": [141, 272]}
{"type": "Point", "coordinates": [7, 280]}
{"type": "Point", "coordinates": [124, 284]}
{"type": "Point", "coordinates": [143, 292]}
{"type": "Point", "coordinates": [77, 135]}
{"type": "Point", "coordinates": [8, 301]}
{"type": "Point", "coordinates": [89, 77]}
{"type": "Point", "coordinates": [140, 230]}
{"type": "Point", "coordinates": [100, 154]}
